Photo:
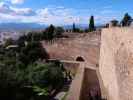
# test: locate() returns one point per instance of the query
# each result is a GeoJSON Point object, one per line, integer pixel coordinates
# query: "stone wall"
{"type": "Point", "coordinates": [116, 62]}
{"type": "Point", "coordinates": [76, 86]}
{"type": "Point", "coordinates": [91, 84]}
{"type": "Point", "coordinates": [77, 45]}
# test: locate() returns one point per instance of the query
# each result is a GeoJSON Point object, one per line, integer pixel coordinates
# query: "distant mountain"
{"type": "Point", "coordinates": [21, 26]}
{"type": "Point", "coordinates": [82, 26]}
{"type": "Point", "coordinates": [30, 26]}
{"type": "Point", "coordinates": [35, 26]}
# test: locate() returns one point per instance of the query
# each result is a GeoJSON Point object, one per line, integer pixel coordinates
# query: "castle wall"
{"type": "Point", "coordinates": [84, 46]}
{"type": "Point", "coordinates": [116, 62]}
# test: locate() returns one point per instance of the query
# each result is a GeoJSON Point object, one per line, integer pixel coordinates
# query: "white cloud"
{"type": "Point", "coordinates": [58, 15]}
{"type": "Point", "coordinates": [6, 9]}
{"type": "Point", "coordinates": [50, 15]}
{"type": "Point", "coordinates": [23, 11]}
{"type": "Point", "coordinates": [17, 1]}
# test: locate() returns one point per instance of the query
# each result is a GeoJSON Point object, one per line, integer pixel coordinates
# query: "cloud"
{"type": "Point", "coordinates": [56, 15]}
{"type": "Point", "coordinates": [17, 1]}
{"type": "Point", "coordinates": [6, 9]}
{"type": "Point", "coordinates": [23, 11]}
{"type": "Point", "coordinates": [51, 15]}
{"type": "Point", "coordinates": [47, 15]}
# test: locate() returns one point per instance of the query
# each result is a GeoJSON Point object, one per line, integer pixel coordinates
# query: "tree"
{"type": "Point", "coordinates": [23, 75]}
{"type": "Point", "coordinates": [126, 21]}
{"type": "Point", "coordinates": [48, 74]}
{"type": "Point", "coordinates": [74, 27]}
{"type": "Point", "coordinates": [8, 42]}
{"type": "Point", "coordinates": [59, 31]}
{"type": "Point", "coordinates": [114, 22]}
{"type": "Point", "coordinates": [32, 52]}
{"type": "Point", "coordinates": [15, 81]}
{"type": "Point", "coordinates": [17, 78]}
{"type": "Point", "coordinates": [50, 32]}
{"type": "Point", "coordinates": [91, 25]}
{"type": "Point", "coordinates": [21, 41]}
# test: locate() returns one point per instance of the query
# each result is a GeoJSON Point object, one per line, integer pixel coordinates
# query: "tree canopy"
{"type": "Point", "coordinates": [24, 72]}
{"type": "Point", "coordinates": [127, 19]}
{"type": "Point", "coordinates": [114, 22]}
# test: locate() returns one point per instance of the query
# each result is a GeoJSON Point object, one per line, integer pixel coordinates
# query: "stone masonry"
{"type": "Point", "coordinates": [116, 62]}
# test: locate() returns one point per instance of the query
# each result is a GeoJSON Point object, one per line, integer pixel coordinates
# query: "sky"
{"type": "Point", "coordinates": [62, 12]}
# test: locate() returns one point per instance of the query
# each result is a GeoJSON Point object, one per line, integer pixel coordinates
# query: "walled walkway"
{"type": "Point", "coordinates": [86, 77]}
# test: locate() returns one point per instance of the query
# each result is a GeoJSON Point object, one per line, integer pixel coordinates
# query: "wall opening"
{"type": "Point", "coordinates": [80, 59]}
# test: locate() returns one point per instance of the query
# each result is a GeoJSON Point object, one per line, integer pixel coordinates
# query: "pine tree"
{"type": "Point", "coordinates": [126, 21]}
{"type": "Point", "coordinates": [91, 25]}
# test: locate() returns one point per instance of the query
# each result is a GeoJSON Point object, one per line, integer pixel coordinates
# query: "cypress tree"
{"type": "Point", "coordinates": [74, 28]}
{"type": "Point", "coordinates": [91, 25]}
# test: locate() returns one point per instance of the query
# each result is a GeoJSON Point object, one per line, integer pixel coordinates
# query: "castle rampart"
{"type": "Point", "coordinates": [116, 62]}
